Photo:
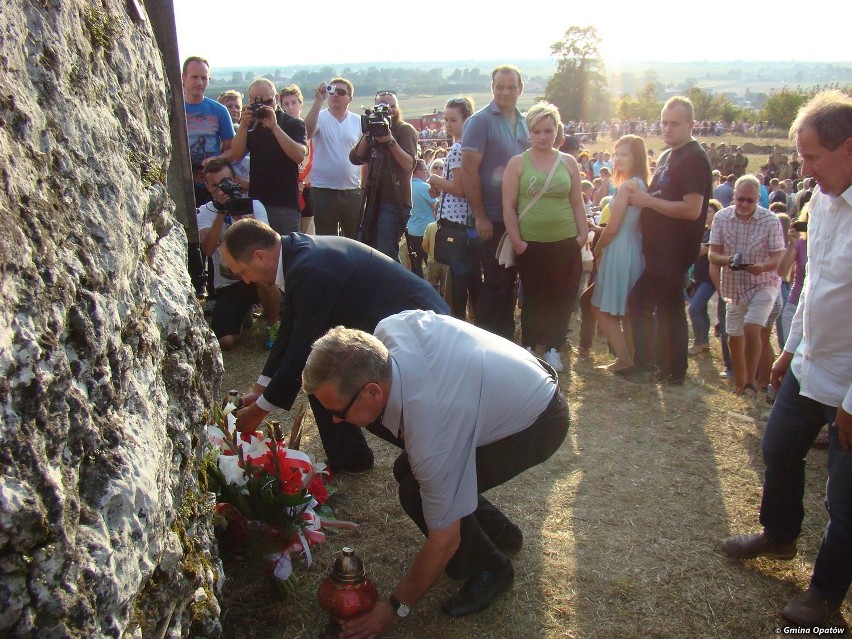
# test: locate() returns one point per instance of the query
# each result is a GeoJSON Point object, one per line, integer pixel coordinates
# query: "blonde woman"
{"type": "Point", "coordinates": [545, 186]}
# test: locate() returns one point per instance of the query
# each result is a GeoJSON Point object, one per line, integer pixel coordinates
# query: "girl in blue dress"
{"type": "Point", "coordinates": [618, 252]}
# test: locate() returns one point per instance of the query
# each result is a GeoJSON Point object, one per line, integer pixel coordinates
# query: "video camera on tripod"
{"type": "Point", "coordinates": [377, 122]}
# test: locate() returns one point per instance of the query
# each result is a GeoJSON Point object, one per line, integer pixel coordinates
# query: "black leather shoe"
{"type": "Point", "coordinates": [479, 591]}
{"type": "Point", "coordinates": [759, 545]}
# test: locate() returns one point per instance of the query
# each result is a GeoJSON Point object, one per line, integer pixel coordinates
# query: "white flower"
{"type": "Point", "coordinates": [230, 467]}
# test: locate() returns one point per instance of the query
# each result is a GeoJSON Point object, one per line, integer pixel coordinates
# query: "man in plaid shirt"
{"type": "Point", "coordinates": [747, 242]}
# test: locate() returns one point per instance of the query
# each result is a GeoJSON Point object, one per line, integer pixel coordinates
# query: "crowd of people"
{"type": "Point", "coordinates": [512, 212]}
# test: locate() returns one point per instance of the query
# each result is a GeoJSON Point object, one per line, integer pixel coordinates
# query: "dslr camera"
{"type": "Point", "coordinates": [736, 262]}
{"type": "Point", "coordinates": [237, 203]}
{"type": "Point", "coordinates": [256, 106]}
{"type": "Point", "coordinates": [377, 122]}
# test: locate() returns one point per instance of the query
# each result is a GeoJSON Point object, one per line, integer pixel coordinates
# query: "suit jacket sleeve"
{"type": "Point", "coordinates": [309, 300]}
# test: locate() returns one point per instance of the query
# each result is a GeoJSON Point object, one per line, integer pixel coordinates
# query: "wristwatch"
{"type": "Point", "coordinates": [392, 142]}
{"type": "Point", "coordinates": [399, 608]}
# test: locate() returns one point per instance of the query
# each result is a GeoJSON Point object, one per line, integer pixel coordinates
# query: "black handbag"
{"type": "Point", "coordinates": [450, 241]}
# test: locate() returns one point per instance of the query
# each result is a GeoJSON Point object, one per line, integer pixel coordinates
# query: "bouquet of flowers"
{"type": "Point", "coordinates": [271, 497]}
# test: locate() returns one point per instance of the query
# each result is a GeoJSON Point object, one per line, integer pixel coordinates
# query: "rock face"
{"type": "Point", "coordinates": [106, 365]}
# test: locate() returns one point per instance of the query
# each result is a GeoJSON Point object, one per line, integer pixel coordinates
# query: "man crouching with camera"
{"type": "Point", "coordinates": [234, 298]}
{"type": "Point", "coordinates": [389, 144]}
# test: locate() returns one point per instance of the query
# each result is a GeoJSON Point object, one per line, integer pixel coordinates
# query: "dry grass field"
{"type": "Point", "coordinates": [622, 525]}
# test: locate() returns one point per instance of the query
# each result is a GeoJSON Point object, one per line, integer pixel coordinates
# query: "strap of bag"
{"type": "Point", "coordinates": [538, 195]}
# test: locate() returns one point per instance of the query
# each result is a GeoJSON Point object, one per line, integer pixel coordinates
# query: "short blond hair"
{"type": "Point", "coordinates": [541, 110]}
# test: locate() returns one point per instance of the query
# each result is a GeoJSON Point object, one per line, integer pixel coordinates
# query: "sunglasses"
{"type": "Point", "coordinates": [750, 200]}
{"type": "Point", "coordinates": [385, 92]}
{"type": "Point", "coordinates": [338, 90]}
{"type": "Point", "coordinates": [341, 414]}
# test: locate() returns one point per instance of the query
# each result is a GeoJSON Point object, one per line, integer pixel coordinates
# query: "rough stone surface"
{"type": "Point", "coordinates": [106, 365]}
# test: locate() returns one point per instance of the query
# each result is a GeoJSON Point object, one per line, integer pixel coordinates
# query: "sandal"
{"type": "Point", "coordinates": [749, 391]}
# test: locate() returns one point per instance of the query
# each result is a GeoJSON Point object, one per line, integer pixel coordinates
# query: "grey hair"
{"type": "Point", "coordinates": [829, 114]}
{"type": "Point", "coordinates": [747, 179]}
{"type": "Point", "coordinates": [348, 359]}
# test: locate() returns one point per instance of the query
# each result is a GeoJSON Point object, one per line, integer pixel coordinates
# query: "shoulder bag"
{"type": "Point", "coordinates": [504, 254]}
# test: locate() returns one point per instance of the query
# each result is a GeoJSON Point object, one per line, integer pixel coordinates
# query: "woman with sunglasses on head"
{"type": "Point", "coordinates": [454, 209]}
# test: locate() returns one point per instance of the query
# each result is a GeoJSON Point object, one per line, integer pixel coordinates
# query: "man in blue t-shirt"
{"type": "Point", "coordinates": [208, 124]}
{"type": "Point", "coordinates": [210, 130]}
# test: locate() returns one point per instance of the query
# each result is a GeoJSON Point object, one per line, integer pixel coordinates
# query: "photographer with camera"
{"type": "Point", "coordinates": [234, 298]}
{"type": "Point", "coordinates": [335, 183]}
{"type": "Point", "coordinates": [747, 242]}
{"type": "Point", "coordinates": [389, 144]}
{"type": "Point", "coordinates": [278, 143]}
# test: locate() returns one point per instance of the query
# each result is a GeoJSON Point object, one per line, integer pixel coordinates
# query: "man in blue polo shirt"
{"type": "Point", "coordinates": [491, 137]}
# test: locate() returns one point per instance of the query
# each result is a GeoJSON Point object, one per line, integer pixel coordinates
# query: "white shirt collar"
{"type": "Point", "coordinates": [279, 276]}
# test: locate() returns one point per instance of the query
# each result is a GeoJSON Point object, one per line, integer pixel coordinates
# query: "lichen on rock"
{"type": "Point", "coordinates": [106, 365]}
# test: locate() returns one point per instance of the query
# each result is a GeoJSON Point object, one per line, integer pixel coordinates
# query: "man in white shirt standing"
{"type": "Point", "coordinates": [335, 181]}
{"type": "Point", "coordinates": [814, 373]}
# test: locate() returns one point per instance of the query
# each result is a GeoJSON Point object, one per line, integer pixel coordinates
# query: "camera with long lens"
{"type": "Point", "coordinates": [737, 263]}
{"type": "Point", "coordinates": [237, 203]}
{"type": "Point", "coordinates": [377, 122]}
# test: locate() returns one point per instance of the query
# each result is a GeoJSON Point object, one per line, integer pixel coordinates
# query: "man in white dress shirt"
{"type": "Point", "coordinates": [814, 373]}
{"type": "Point", "coordinates": [473, 410]}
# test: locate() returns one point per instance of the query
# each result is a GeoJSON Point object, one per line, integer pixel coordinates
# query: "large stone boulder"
{"type": "Point", "coordinates": [106, 365]}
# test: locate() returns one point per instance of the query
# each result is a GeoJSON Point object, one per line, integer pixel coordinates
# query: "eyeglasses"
{"type": "Point", "coordinates": [750, 200]}
{"type": "Point", "coordinates": [385, 92]}
{"type": "Point", "coordinates": [341, 414]}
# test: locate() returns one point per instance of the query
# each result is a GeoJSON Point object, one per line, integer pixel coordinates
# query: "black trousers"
{"type": "Point", "coordinates": [658, 320]}
{"type": "Point", "coordinates": [496, 463]}
{"type": "Point", "coordinates": [495, 310]}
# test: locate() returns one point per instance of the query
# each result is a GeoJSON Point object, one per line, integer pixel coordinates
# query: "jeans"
{"type": "Point", "coordinates": [495, 311]}
{"type": "Point", "coordinates": [792, 427]}
{"type": "Point", "coordinates": [389, 228]}
{"type": "Point", "coordinates": [660, 331]}
{"type": "Point", "coordinates": [336, 207]}
{"type": "Point", "coordinates": [698, 312]}
{"type": "Point", "coordinates": [496, 463]}
{"type": "Point", "coordinates": [467, 277]}
{"type": "Point", "coordinates": [283, 219]}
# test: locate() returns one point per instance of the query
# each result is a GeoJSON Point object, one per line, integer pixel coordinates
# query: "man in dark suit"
{"type": "Point", "coordinates": [326, 281]}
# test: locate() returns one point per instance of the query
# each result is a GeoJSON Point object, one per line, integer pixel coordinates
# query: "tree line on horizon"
{"type": "Point", "coordinates": [579, 87]}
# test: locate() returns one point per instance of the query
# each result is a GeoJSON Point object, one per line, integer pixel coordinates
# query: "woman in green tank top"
{"type": "Point", "coordinates": [546, 223]}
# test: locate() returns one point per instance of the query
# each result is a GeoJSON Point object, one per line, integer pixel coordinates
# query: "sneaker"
{"type": "Point", "coordinates": [257, 310]}
{"type": "Point", "coordinates": [553, 358]}
{"type": "Point", "coordinates": [697, 349]}
{"type": "Point", "coordinates": [272, 334]}
{"type": "Point", "coordinates": [727, 374]}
